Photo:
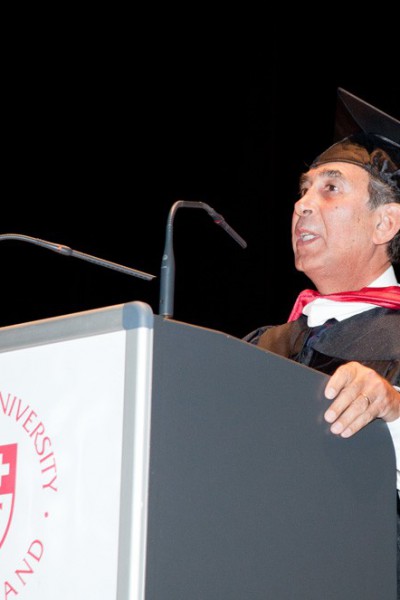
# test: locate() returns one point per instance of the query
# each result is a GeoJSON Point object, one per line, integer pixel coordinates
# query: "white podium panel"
{"type": "Point", "coordinates": [74, 431]}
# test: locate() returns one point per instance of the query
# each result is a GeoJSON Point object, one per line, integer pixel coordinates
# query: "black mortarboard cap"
{"type": "Point", "coordinates": [365, 136]}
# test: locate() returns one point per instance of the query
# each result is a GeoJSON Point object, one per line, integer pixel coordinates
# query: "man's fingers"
{"type": "Point", "coordinates": [359, 413]}
{"type": "Point", "coordinates": [355, 425]}
{"type": "Point", "coordinates": [347, 407]}
{"type": "Point", "coordinates": [342, 377]}
{"type": "Point", "coordinates": [359, 395]}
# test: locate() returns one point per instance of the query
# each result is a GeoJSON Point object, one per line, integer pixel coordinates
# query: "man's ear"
{"type": "Point", "coordinates": [387, 223]}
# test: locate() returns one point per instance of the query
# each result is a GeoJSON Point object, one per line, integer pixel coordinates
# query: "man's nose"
{"type": "Point", "coordinates": [303, 206]}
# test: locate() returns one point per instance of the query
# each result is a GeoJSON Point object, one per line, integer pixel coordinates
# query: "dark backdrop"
{"type": "Point", "coordinates": [103, 135]}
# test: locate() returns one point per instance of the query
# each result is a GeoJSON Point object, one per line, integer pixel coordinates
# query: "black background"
{"type": "Point", "coordinates": [106, 126]}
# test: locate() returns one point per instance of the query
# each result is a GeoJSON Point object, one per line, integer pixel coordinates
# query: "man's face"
{"type": "Point", "coordinates": [332, 227]}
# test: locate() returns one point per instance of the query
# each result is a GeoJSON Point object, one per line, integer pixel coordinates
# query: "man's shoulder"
{"type": "Point", "coordinates": [278, 338]}
{"type": "Point", "coordinates": [373, 333]}
{"type": "Point", "coordinates": [254, 336]}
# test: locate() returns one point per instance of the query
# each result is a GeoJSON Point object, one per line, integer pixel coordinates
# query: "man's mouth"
{"type": "Point", "coordinates": [306, 236]}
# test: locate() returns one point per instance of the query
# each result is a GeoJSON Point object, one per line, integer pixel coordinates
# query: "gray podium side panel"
{"type": "Point", "coordinates": [250, 496]}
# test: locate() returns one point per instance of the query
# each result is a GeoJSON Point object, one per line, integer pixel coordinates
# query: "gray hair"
{"type": "Point", "coordinates": [380, 193]}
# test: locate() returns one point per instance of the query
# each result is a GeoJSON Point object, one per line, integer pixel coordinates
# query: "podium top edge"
{"type": "Point", "coordinates": [129, 316]}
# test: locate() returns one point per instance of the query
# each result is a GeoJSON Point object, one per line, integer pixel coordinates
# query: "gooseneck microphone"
{"type": "Point", "coordinates": [67, 251]}
{"type": "Point", "coordinates": [167, 277]}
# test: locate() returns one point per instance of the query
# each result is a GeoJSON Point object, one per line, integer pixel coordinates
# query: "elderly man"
{"type": "Point", "coordinates": [346, 238]}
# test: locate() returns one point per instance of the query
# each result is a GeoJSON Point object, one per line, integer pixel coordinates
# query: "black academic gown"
{"type": "Point", "coordinates": [371, 338]}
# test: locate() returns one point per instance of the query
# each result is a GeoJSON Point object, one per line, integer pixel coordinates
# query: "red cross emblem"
{"type": "Point", "coordinates": [8, 469]}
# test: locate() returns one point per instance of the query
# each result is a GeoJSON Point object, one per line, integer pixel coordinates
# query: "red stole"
{"type": "Point", "coordinates": [388, 297]}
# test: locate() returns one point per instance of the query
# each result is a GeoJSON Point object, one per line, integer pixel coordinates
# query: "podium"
{"type": "Point", "coordinates": [148, 459]}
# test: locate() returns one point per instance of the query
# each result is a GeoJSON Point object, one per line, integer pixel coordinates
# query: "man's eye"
{"type": "Point", "coordinates": [331, 187]}
{"type": "Point", "coordinates": [302, 192]}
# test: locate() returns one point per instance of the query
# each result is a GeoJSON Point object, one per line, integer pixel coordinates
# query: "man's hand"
{"type": "Point", "coordinates": [360, 395]}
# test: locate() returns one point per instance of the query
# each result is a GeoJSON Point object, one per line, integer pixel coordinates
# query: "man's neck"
{"type": "Point", "coordinates": [388, 277]}
{"type": "Point", "coordinates": [386, 273]}
{"type": "Point", "coordinates": [320, 310]}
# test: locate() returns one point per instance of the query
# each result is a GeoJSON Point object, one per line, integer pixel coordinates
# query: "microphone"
{"type": "Point", "coordinates": [167, 277]}
{"type": "Point", "coordinates": [67, 251]}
